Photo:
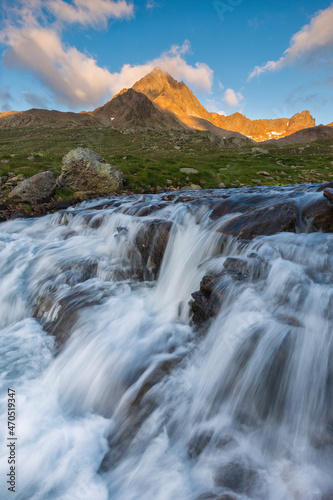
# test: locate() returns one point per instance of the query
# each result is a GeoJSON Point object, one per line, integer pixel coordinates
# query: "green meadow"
{"type": "Point", "coordinates": [154, 158]}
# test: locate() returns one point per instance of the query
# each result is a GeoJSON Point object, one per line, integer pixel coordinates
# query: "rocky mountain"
{"type": "Point", "coordinates": [133, 109]}
{"type": "Point", "coordinates": [159, 101]}
{"type": "Point", "coordinates": [172, 96]}
{"type": "Point", "coordinates": [305, 136]}
{"type": "Point", "coordinates": [44, 117]}
{"type": "Point", "coordinates": [261, 130]}
{"type": "Point", "coordinates": [330, 124]}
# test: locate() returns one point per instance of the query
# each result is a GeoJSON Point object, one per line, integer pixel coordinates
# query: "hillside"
{"type": "Point", "coordinates": [305, 136]}
{"type": "Point", "coordinates": [133, 109]}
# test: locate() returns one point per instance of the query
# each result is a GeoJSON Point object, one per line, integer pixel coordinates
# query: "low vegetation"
{"type": "Point", "coordinates": [152, 159]}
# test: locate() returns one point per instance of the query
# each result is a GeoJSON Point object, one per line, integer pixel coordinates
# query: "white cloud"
{"type": "Point", "coordinates": [75, 78]}
{"type": "Point", "coordinates": [233, 98]}
{"type": "Point", "coordinates": [152, 4]}
{"type": "Point", "coordinates": [311, 39]}
{"type": "Point", "coordinates": [183, 49]}
{"type": "Point", "coordinates": [214, 106]}
{"type": "Point", "coordinates": [90, 12]}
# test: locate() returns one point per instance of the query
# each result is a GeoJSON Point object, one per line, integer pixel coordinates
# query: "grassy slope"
{"type": "Point", "coordinates": [154, 158]}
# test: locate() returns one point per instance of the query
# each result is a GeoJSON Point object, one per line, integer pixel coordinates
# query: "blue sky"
{"type": "Point", "coordinates": [264, 59]}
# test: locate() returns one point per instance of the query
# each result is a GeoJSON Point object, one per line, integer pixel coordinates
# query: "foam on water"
{"type": "Point", "coordinates": [169, 410]}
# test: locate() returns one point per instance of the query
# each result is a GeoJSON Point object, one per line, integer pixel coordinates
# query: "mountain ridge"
{"type": "Point", "coordinates": [158, 101]}
{"type": "Point", "coordinates": [170, 95]}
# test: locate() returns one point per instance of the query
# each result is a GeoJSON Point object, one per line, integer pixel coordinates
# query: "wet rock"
{"type": "Point", "coordinates": [237, 477]}
{"type": "Point", "coordinates": [213, 496]}
{"type": "Point", "coordinates": [17, 215]}
{"type": "Point", "coordinates": [86, 171]}
{"type": "Point", "coordinates": [320, 216]}
{"type": "Point", "coordinates": [207, 301]}
{"type": "Point", "coordinates": [37, 189]}
{"type": "Point", "coordinates": [198, 443]}
{"type": "Point", "coordinates": [68, 309]}
{"type": "Point", "coordinates": [328, 193]}
{"type": "Point", "coordinates": [60, 205]}
{"type": "Point", "coordinates": [263, 221]}
{"type": "Point", "coordinates": [151, 242]}
{"type": "Point", "coordinates": [229, 205]}
{"type": "Point", "coordinates": [226, 497]}
{"type": "Point", "coordinates": [147, 210]}
{"type": "Point", "coordinates": [138, 409]}
{"type": "Point", "coordinates": [225, 442]}
{"type": "Point", "coordinates": [324, 186]}
{"type": "Point", "coordinates": [238, 268]}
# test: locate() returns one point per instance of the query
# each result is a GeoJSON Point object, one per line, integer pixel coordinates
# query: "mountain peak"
{"type": "Point", "coordinates": [170, 95]}
{"type": "Point", "coordinates": [158, 72]}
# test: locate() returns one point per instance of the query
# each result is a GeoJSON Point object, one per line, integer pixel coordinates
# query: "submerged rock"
{"type": "Point", "coordinates": [138, 408]}
{"type": "Point", "coordinates": [238, 477]}
{"type": "Point", "coordinates": [86, 171]}
{"type": "Point", "coordinates": [198, 443]}
{"type": "Point", "coordinates": [151, 241]}
{"type": "Point", "coordinates": [208, 300]}
{"type": "Point", "coordinates": [37, 189]}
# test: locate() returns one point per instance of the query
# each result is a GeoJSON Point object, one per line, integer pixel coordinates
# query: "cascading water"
{"type": "Point", "coordinates": [119, 396]}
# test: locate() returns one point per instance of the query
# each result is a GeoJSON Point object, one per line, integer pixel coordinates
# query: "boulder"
{"type": "Point", "coordinates": [84, 170]}
{"type": "Point", "coordinates": [208, 300]}
{"type": "Point", "coordinates": [328, 193]}
{"type": "Point", "coordinates": [268, 220]}
{"type": "Point", "coordinates": [320, 216]}
{"type": "Point", "coordinates": [37, 189]}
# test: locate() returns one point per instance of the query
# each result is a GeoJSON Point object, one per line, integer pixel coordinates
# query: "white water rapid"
{"type": "Point", "coordinates": [120, 397]}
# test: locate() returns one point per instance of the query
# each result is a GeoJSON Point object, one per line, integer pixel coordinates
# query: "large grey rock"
{"type": "Point", "coordinates": [37, 189]}
{"type": "Point", "coordinates": [84, 170]}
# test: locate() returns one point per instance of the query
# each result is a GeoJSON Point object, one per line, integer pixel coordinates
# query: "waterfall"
{"type": "Point", "coordinates": [120, 395]}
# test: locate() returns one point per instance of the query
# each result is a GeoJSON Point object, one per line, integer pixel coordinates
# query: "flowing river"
{"type": "Point", "coordinates": [120, 396]}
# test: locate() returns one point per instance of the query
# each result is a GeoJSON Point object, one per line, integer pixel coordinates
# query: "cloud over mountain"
{"type": "Point", "coordinates": [33, 37]}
